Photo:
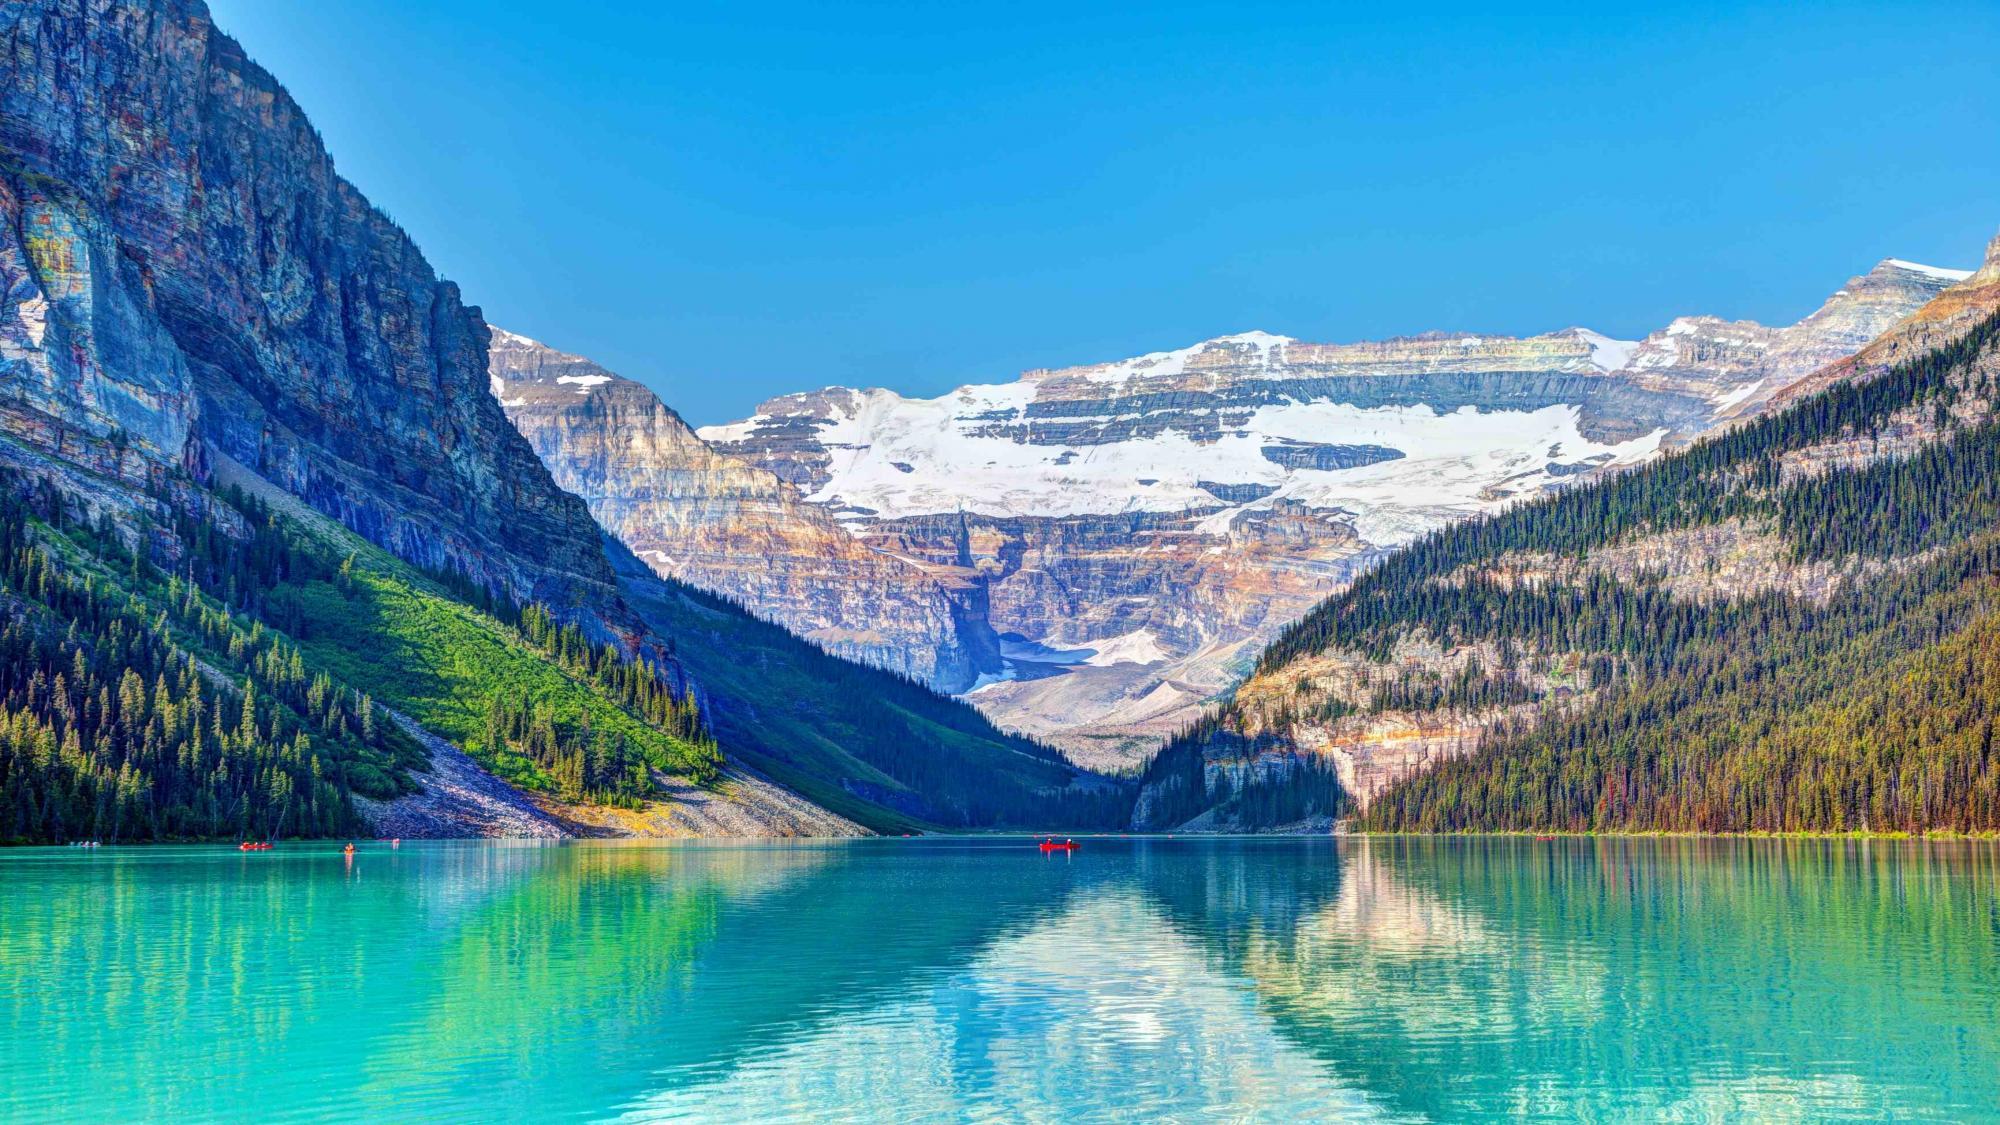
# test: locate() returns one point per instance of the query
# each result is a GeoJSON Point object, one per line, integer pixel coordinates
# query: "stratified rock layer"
{"type": "Point", "coordinates": [722, 524]}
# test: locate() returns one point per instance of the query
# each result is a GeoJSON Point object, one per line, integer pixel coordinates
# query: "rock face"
{"type": "Point", "coordinates": [186, 271]}
{"type": "Point", "coordinates": [1141, 527]}
{"type": "Point", "coordinates": [728, 526]}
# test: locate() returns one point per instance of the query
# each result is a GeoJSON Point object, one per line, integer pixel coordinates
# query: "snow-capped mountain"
{"type": "Point", "coordinates": [1139, 527]}
{"type": "Point", "coordinates": [716, 522]}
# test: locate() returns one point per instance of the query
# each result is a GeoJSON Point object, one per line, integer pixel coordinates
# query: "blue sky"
{"type": "Point", "coordinates": [732, 201]}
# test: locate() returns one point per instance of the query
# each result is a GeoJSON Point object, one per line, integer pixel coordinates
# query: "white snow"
{"type": "Point", "coordinates": [987, 679]}
{"type": "Point", "coordinates": [1163, 365]}
{"type": "Point", "coordinates": [583, 383]}
{"type": "Point", "coordinates": [1451, 461]}
{"type": "Point", "coordinates": [1606, 353]}
{"type": "Point", "coordinates": [732, 431]}
{"type": "Point", "coordinates": [33, 314]}
{"type": "Point", "coordinates": [1035, 652]}
{"type": "Point", "coordinates": [1136, 647]}
{"type": "Point", "coordinates": [1931, 271]}
{"type": "Point", "coordinates": [1725, 401]}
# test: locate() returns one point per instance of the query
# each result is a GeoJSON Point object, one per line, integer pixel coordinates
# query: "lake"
{"type": "Point", "coordinates": [977, 979]}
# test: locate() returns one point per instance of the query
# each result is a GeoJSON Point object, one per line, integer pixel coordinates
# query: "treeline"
{"type": "Point", "coordinates": [1179, 788]}
{"type": "Point", "coordinates": [1874, 713]}
{"type": "Point", "coordinates": [123, 718]}
{"type": "Point", "coordinates": [584, 766]}
{"type": "Point", "coordinates": [637, 684]}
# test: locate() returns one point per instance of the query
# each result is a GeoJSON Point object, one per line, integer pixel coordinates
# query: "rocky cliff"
{"type": "Point", "coordinates": [728, 526]}
{"type": "Point", "coordinates": [186, 271]}
{"type": "Point", "coordinates": [1141, 527]}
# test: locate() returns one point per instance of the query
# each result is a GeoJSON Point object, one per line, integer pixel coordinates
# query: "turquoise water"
{"type": "Point", "coordinates": [940, 979]}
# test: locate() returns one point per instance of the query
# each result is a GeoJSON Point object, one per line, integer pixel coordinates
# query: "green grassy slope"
{"type": "Point", "coordinates": [411, 642]}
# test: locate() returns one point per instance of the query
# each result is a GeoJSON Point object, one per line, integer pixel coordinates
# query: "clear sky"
{"type": "Point", "coordinates": [730, 201]}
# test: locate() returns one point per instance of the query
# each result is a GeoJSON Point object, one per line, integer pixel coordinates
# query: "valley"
{"type": "Point", "coordinates": [1092, 555]}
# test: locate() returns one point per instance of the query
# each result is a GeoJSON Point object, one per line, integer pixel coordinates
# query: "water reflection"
{"type": "Point", "coordinates": [1621, 978]}
{"type": "Point", "coordinates": [980, 980]}
{"type": "Point", "coordinates": [1100, 1013]}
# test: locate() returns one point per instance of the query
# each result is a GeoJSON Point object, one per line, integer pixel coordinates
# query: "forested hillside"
{"type": "Point", "coordinates": [136, 707]}
{"type": "Point", "coordinates": [219, 698]}
{"type": "Point", "coordinates": [1791, 627]}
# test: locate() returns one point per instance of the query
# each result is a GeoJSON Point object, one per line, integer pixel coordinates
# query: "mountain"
{"type": "Point", "coordinates": [1790, 626]}
{"type": "Point", "coordinates": [251, 452]}
{"type": "Point", "coordinates": [720, 523]}
{"type": "Point", "coordinates": [1136, 530]}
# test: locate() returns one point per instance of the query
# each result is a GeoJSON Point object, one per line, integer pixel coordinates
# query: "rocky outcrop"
{"type": "Point", "coordinates": [185, 270]}
{"type": "Point", "coordinates": [730, 527]}
{"type": "Point", "coordinates": [1143, 526]}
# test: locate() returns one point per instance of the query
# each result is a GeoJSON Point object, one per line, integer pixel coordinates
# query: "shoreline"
{"type": "Point", "coordinates": [1987, 837]}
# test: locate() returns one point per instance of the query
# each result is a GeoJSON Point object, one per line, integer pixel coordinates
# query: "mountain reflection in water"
{"type": "Point", "coordinates": [951, 979]}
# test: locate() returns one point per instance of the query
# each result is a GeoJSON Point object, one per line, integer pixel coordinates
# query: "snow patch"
{"type": "Point", "coordinates": [34, 316]}
{"type": "Point", "coordinates": [964, 455]}
{"type": "Point", "coordinates": [1930, 271]}
{"type": "Point", "coordinates": [1607, 354]}
{"type": "Point", "coordinates": [732, 431]}
{"type": "Point", "coordinates": [1724, 402]}
{"type": "Point", "coordinates": [505, 339]}
{"type": "Point", "coordinates": [1163, 365]}
{"type": "Point", "coordinates": [1136, 647]}
{"type": "Point", "coordinates": [583, 383]}
{"type": "Point", "coordinates": [988, 679]}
